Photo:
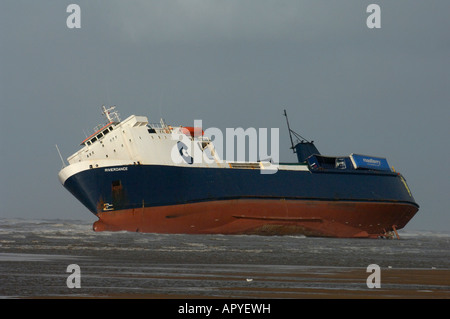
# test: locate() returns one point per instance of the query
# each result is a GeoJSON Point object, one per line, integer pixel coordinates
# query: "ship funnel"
{"type": "Point", "coordinates": [305, 149]}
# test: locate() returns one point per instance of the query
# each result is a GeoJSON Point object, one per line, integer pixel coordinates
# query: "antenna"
{"type": "Point", "coordinates": [64, 164]}
{"type": "Point", "coordinates": [289, 129]}
{"type": "Point", "coordinates": [111, 114]}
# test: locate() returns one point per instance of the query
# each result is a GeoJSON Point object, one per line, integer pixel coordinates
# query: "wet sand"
{"type": "Point", "coordinates": [337, 284]}
{"type": "Point", "coordinates": [34, 258]}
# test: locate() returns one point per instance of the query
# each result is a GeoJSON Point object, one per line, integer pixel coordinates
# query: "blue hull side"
{"type": "Point", "coordinates": [134, 186]}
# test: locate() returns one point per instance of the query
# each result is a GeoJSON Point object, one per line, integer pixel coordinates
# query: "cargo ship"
{"type": "Point", "coordinates": [142, 177]}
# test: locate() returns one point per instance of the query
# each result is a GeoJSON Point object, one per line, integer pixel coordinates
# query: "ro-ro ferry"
{"type": "Point", "coordinates": [125, 174]}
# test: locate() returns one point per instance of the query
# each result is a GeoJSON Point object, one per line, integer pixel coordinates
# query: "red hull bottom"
{"type": "Point", "coordinates": [263, 217]}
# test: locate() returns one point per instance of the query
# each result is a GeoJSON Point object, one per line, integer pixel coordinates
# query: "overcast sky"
{"type": "Point", "coordinates": [351, 89]}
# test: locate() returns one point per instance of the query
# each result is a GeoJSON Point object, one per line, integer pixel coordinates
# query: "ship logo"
{"type": "Point", "coordinates": [182, 149]}
{"type": "Point", "coordinates": [371, 161]}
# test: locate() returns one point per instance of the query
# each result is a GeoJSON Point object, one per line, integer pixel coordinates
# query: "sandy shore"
{"type": "Point", "coordinates": [313, 284]}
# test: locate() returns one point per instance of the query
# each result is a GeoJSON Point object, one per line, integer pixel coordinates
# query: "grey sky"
{"type": "Point", "coordinates": [383, 92]}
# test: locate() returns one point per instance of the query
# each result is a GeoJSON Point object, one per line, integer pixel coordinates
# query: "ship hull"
{"type": "Point", "coordinates": [263, 217]}
{"type": "Point", "coordinates": [171, 199]}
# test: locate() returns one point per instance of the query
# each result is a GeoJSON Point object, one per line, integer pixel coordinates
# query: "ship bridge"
{"type": "Point", "coordinates": [101, 130]}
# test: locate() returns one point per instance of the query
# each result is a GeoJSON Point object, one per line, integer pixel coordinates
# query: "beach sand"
{"type": "Point", "coordinates": [306, 284]}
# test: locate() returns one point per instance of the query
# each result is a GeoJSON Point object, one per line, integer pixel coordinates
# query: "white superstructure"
{"type": "Point", "coordinates": [135, 141]}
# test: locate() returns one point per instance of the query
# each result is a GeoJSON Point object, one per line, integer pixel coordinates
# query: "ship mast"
{"type": "Point", "coordinates": [300, 139]}
{"type": "Point", "coordinates": [290, 132]}
{"type": "Point", "coordinates": [111, 114]}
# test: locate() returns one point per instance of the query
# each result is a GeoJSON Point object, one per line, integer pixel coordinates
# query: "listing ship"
{"type": "Point", "coordinates": [142, 177]}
